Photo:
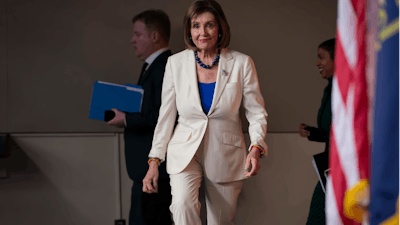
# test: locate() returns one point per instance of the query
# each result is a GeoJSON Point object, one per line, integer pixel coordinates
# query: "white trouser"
{"type": "Point", "coordinates": [221, 198]}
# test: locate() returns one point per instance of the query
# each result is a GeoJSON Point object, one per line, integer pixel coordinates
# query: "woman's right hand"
{"type": "Point", "coordinates": [150, 181]}
{"type": "Point", "coordinates": [302, 130]}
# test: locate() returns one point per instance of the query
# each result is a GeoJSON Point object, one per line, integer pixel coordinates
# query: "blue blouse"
{"type": "Point", "coordinates": [206, 95]}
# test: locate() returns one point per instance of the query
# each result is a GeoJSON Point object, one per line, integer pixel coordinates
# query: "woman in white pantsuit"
{"type": "Point", "coordinates": [206, 84]}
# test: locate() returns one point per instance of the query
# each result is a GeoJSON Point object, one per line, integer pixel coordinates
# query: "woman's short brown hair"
{"type": "Point", "coordinates": [201, 6]}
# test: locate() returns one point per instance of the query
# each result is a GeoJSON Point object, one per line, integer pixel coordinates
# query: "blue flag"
{"type": "Point", "coordinates": [385, 141]}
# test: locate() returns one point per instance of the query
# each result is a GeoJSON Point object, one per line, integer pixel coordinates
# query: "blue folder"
{"type": "Point", "coordinates": [106, 96]}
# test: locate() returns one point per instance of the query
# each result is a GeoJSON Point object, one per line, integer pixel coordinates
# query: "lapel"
{"type": "Point", "coordinates": [225, 67]}
{"type": "Point", "coordinates": [226, 63]}
{"type": "Point", "coordinates": [146, 74]}
{"type": "Point", "coordinates": [192, 78]}
{"type": "Point", "coordinates": [152, 66]}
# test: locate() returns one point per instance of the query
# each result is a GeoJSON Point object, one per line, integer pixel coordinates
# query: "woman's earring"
{"type": "Point", "coordinates": [190, 38]}
{"type": "Point", "coordinates": [219, 35]}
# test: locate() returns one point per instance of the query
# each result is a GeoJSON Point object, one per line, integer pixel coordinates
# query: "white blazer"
{"type": "Point", "coordinates": [237, 83]}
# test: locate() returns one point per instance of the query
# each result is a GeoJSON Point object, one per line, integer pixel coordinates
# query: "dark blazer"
{"type": "Point", "coordinates": [140, 127]}
{"type": "Point", "coordinates": [322, 132]}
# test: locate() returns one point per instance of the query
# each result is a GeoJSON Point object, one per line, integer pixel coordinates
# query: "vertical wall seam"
{"type": "Point", "coordinates": [7, 84]}
{"type": "Point", "coordinates": [120, 177]}
{"type": "Point", "coordinates": [117, 182]}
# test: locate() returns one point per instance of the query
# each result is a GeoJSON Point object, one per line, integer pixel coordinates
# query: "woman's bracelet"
{"type": "Point", "coordinates": [158, 161]}
{"type": "Point", "coordinates": [259, 148]}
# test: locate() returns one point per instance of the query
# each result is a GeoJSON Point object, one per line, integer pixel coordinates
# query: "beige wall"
{"type": "Point", "coordinates": [51, 52]}
{"type": "Point", "coordinates": [60, 179]}
{"type": "Point", "coordinates": [57, 49]}
{"type": "Point", "coordinates": [75, 179]}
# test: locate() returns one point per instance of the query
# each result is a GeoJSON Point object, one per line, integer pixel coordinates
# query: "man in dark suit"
{"type": "Point", "coordinates": [151, 33]}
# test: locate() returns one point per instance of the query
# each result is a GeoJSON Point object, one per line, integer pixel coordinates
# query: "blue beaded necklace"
{"type": "Point", "coordinates": [207, 66]}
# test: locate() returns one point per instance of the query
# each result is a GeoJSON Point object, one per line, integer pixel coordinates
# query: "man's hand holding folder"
{"type": "Point", "coordinates": [118, 120]}
{"type": "Point", "coordinates": [111, 101]}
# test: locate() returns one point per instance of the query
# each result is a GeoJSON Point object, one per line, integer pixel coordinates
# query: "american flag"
{"type": "Point", "coordinates": [349, 150]}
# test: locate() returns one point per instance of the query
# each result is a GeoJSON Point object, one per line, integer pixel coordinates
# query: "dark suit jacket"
{"type": "Point", "coordinates": [322, 132]}
{"type": "Point", "coordinates": [140, 127]}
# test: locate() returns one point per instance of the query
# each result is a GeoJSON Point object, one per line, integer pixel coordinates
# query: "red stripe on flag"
{"type": "Point", "coordinates": [342, 70]}
{"type": "Point", "coordinates": [338, 181]}
{"type": "Point", "coordinates": [358, 6]}
{"type": "Point", "coordinates": [361, 96]}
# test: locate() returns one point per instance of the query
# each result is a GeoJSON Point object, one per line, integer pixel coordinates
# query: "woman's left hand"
{"type": "Point", "coordinates": [253, 159]}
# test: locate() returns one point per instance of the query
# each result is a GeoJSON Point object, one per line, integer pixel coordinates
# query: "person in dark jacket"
{"type": "Point", "coordinates": [326, 66]}
{"type": "Point", "coordinates": [151, 33]}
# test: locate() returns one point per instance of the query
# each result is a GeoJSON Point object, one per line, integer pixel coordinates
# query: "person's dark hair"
{"type": "Point", "coordinates": [155, 20]}
{"type": "Point", "coordinates": [201, 6]}
{"type": "Point", "coordinates": [329, 46]}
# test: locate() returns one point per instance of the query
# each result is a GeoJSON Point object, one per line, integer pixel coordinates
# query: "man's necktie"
{"type": "Point", "coordinates": [143, 71]}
